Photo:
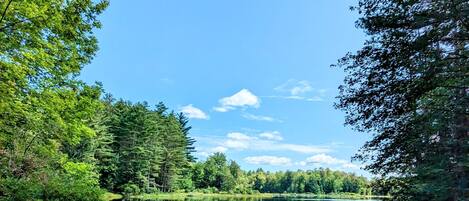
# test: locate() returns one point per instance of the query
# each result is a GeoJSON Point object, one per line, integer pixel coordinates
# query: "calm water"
{"type": "Point", "coordinates": [254, 199]}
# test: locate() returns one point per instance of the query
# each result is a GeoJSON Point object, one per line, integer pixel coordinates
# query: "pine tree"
{"type": "Point", "coordinates": [173, 151]}
{"type": "Point", "coordinates": [409, 87]}
{"type": "Point", "coordinates": [190, 149]}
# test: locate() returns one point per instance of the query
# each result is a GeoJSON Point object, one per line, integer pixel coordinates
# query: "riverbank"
{"type": "Point", "coordinates": [182, 196]}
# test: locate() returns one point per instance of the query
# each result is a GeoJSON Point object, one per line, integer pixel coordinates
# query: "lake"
{"type": "Point", "coordinates": [248, 199]}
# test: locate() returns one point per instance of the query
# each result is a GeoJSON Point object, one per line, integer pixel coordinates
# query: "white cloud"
{"type": "Point", "coordinates": [311, 99]}
{"type": "Point", "coordinates": [350, 166]}
{"type": "Point", "coordinates": [302, 98]}
{"type": "Point", "coordinates": [295, 87]}
{"type": "Point", "coordinates": [268, 160]}
{"type": "Point", "coordinates": [193, 112]}
{"type": "Point", "coordinates": [300, 90]}
{"type": "Point", "coordinates": [236, 144]}
{"type": "Point", "coordinates": [324, 159]}
{"type": "Point", "coordinates": [222, 109]}
{"type": "Point", "coordinates": [243, 98]}
{"type": "Point", "coordinates": [238, 141]}
{"type": "Point", "coordinates": [219, 149]}
{"type": "Point", "coordinates": [266, 142]}
{"type": "Point", "coordinates": [306, 149]}
{"type": "Point", "coordinates": [273, 135]}
{"type": "Point", "coordinates": [210, 151]}
{"type": "Point", "coordinates": [238, 136]}
{"type": "Point", "coordinates": [260, 118]}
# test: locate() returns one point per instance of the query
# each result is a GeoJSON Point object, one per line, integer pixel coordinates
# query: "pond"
{"type": "Point", "coordinates": [247, 199]}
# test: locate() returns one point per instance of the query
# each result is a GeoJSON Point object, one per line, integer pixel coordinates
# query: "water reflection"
{"type": "Point", "coordinates": [241, 199]}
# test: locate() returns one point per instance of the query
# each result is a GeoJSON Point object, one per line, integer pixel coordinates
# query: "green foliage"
{"type": "Point", "coordinates": [321, 181]}
{"type": "Point", "coordinates": [409, 86]}
{"type": "Point", "coordinates": [190, 149]}
{"type": "Point", "coordinates": [77, 182]}
{"type": "Point", "coordinates": [173, 152]}
{"type": "Point", "coordinates": [145, 147]}
{"type": "Point", "coordinates": [46, 114]}
{"type": "Point", "coordinates": [130, 189]}
{"type": "Point", "coordinates": [58, 140]}
{"type": "Point", "coordinates": [19, 189]}
{"type": "Point", "coordinates": [217, 175]}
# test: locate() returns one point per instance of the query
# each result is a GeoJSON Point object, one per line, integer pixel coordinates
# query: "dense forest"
{"type": "Point", "coordinates": [64, 139]}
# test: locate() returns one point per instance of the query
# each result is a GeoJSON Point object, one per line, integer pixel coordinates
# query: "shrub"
{"type": "Point", "coordinates": [130, 189]}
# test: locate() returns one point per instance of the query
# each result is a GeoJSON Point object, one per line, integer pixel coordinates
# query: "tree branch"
{"type": "Point", "coordinates": [5, 11]}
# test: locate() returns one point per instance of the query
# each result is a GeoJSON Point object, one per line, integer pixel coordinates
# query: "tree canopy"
{"type": "Point", "coordinates": [408, 86]}
{"type": "Point", "coordinates": [46, 114]}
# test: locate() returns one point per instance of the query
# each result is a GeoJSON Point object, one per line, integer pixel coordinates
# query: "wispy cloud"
{"type": "Point", "coordinates": [193, 113]}
{"type": "Point", "coordinates": [268, 160]}
{"type": "Point", "coordinates": [302, 98]}
{"type": "Point", "coordinates": [207, 152]}
{"type": "Point", "coordinates": [241, 99]}
{"type": "Point", "coordinates": [324, 159]}
{"type": "Point", "coordinates": [302, 90]}
{"type": "Point", "coordinates": [266, 141]}
{"type": "Point", "coordinates": [318, 160]}
{"type": "Point", "coordinates": [271, 135]}
{"type": "Point", "coordinates": [260, 118]}
{"type": "Point", "coordinates": [295, 87]}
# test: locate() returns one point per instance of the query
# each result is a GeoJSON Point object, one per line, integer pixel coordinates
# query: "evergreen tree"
{"type": "Point", "coordinates": [409, 86]}
{"type": "Point", "coordinates": [173, 152]}
{"type": "Point", "coordinates": [105, 156]}
{"type": "Point", "coordinates": [190, 149]}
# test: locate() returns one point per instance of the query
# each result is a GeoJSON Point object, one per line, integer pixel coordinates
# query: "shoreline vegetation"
{"type": "Point", "coordinates": [199, 195]}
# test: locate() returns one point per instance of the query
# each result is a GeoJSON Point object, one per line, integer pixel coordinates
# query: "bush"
{"type": "Point", "coordinates": [64, 189]}
{"type": "Point", "coordinates": [78, 182]}
{"type": "Point", "coordinates": [19, 189]}
{"type": "Point", "coordinates": [130, 189]}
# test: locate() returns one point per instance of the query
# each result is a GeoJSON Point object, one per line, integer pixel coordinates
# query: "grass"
{"type": "Point", "coordinates": [206, 196]}
{"type": "Point", "coordinates": [111, 196]}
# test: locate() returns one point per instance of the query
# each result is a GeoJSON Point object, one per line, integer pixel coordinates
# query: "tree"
{"type": "Point", "coordinates": [235, 169]}
{"type": "Point", "coordinates": [46, 113]}
{"type": "Point", "coordinates": [173, 151]}
{"type": "Point", "coordinates": [104, 153]}
{"type": "Point", "coordinates": [217, 173]}
{"type": "Point", "coordinates": [198, 175]}
{"type": "Point", "coordinates": [190, 149]}
{"type": "Point", "coordinates": [409, 87]}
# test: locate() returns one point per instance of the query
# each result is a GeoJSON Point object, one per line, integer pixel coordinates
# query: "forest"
{"type": "Point", "coordinates": [64, 139]}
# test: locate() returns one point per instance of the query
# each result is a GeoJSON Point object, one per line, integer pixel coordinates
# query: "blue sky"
{"type": "Point", "coordinates": [254, 76]}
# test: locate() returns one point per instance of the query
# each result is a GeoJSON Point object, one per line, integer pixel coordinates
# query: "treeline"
{"type": "Point", "coordinates": [217, 174]}
{"type": "Point", "coordinates": [146, 150]}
